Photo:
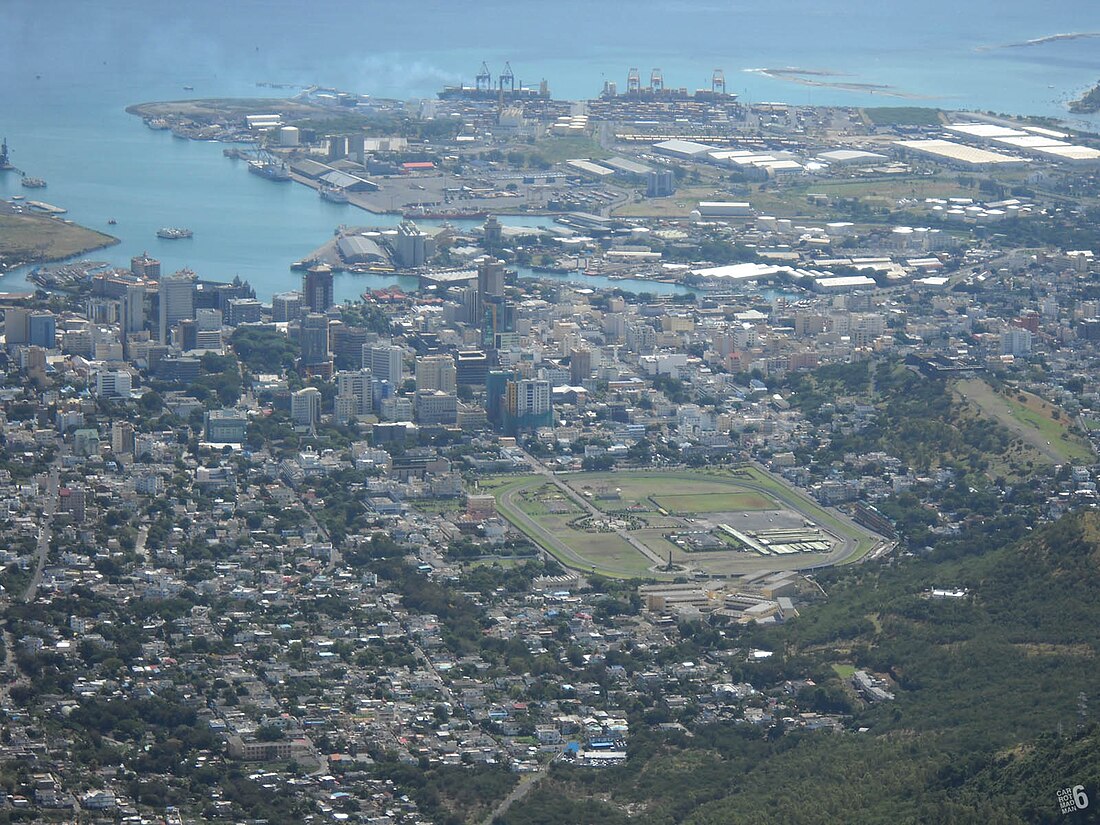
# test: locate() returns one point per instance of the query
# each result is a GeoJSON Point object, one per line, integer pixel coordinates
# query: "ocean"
{"type": "Point", "coordinates": [68, 69]}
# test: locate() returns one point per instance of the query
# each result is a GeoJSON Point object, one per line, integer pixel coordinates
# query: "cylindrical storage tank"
{"type": "Point", "coordinates": [288, 136]}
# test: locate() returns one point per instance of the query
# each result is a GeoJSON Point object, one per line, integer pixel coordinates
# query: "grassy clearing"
{"type": "Point", "coordinates": [1042, 425]}
{"type": "Point", "coordinates": [557, 149]}
{"type": "Point", "coordinates": [844, 671]}
{"type": "Point", "coordinates": [678, 205]}
{"type": "Point", "coordinates": [39, 238]}
{"type": "Point", "coordinates": [903, 116]}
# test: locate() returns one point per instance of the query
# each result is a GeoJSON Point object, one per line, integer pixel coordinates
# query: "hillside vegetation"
{"type": "Point", "coordinates": [988, 724]}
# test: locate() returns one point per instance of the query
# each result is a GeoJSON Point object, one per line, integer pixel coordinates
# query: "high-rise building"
{"type": "Point", "coordinates": [286, 306]}
{"type": "Point", "coordinates": [145, 267]}
{"type": "Point", "coordinates": [242, 311]}
{"type": "Point", "coordinates": [113, 384]}
{"type": "Point", "coordinates": [177, 301]}
{"type": "Point", "coordinates": [42, 330]}
{"type": "Point", "coordinates": [526, 404]}
{"type": "Point", "coordinates": [133, 309]}
{"type": "Point", "coordinates": [305, 406]}
{"type": "Point", "coordinates": [492, 235]}
{"type": "Point", "coordinates": [317, 289]}
{"type": "Point", "coordinates": [436, 407]}
{"type": "Point", "coordinates": [490, 283]}
{"type": "Point", "coordinates": [357, 386]}
{"type": "Point", "coordinates": [122, 437]}
{"type": "Point", "coordinates": [346, 342]}
{"type": "Point", "coordinates": [314, 339]}
{"type": "Point", "coordinates": [1016, 341]}
{"type": "Point", "coordinates": [498, 316]}
{"type": "Point", "coordinates": [471, 367]}
{"type": "Point", "coordinates": [385, 362]}
{"type": "Point", "coordinates": [436, 372]}
{"type": "Point", "coordinates": [71, 500]}
{"type": "Point", "coordinates": [580, 367]}
{"type": "Point", "coordinates": [16, 325]}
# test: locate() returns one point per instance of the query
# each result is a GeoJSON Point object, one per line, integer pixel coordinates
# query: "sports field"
{"type": "Point", "coordinates": [625, 524]}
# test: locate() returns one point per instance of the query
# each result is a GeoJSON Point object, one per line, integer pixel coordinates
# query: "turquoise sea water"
{"type": "Point", "coordinates": [68, 69]}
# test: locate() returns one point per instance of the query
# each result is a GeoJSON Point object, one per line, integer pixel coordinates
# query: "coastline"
{"type": "Point", "coordinates": [23, 246]}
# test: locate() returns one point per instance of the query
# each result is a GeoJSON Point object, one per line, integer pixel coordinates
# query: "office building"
{"type": "Point", "coordinates": [145, 267]}
{"type": "Point", "coordinates": [16, 327]}
{"type": "Point", "coordinates": [384, 362]}
{"type": "Point", "coordinates": [133, 309]}
{"type": "Point", "coordinates": [580, 367]}
{"type": "Point", "coordinates": [314, 341]}
{"type": "Point", "coordinates": [42, 330]}
{"type": "Point", "coordinates": [305, 406]}
{"type": "Point", "coordinates": [71, 500]}
{"type": "Point", "coordinates": [113, 384]}
{"type": "Point", "coordinates": [122, 437]}
{"type": "Point", "coordinates": [286, 306]}
{"type": "Point", "coordinates": [527, 405]}
{"type": "Point", "coordinates": [177, 302]}
{"type": "Point", "coordinates": [242, 311]}
{"type": "Point", "coordinates": [490, 283]}
{"type": "Point", "coordinates": [317, 289]}
{"type": "Point", "coordinates": [357, 386]}
{"type": "Point", "coordinates": [346, 343]}
{"type": "Point", "coordinates": [1016, 341]}
{"type": "Point", "coordinates": [436, 407]}
{"type": "Point", "coordinates": [225, 426]}
{"type": "Point", "coordinates": [436, 372]}
{"type": "Point", "coordinates": [471, 368]}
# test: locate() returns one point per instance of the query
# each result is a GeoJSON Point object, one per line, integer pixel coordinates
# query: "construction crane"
{"type": "Point", "coordinates": [718, 82]}
{"type": "Point", "coordinates": [656, 81]}
{"type": "Point", "coordinates": [633, 81]}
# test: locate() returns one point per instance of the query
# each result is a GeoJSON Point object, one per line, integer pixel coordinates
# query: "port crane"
{"type": "Point", "coordinates": [5, 160]}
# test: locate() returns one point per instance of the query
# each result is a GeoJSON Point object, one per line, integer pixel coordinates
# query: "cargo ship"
{"type": "Point", "coordinates": [174, 233]}
{"type": "Point", "coordinates": [270, 169]}
{"type": "Point", "coordinates": [445, 214]}
{"type": "Point", "coordinates": [5, 161]}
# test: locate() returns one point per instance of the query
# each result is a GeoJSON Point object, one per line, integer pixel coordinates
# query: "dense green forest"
{"type": "Point", "coordinates": [990, 721]}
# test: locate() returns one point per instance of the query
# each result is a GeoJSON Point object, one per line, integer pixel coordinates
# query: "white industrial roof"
{"type": "Point", "coordinates": [847, 155]}
{"type": "Point", "coordinates": [739, 272]}
{"type": "Point", "coordinates": [590, 167]}
{"type": "Point", "coordinates": [682, 147]}
{"type": "Point", "coordinates": [984, 130]}
{"type": "Point", "coordinates": [958, 152]}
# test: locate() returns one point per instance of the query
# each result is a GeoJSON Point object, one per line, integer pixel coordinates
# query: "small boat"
{"type": "Point", "coordinates": [111, 222]}
{"type": "Point", "coordinates": [331, 193]}
{"type": "Point", "coordinates": [189, 88]}
{"type": "Point", "coordinates": [33, 183]}
{"type": "Point", "coordinates": [174, 233]}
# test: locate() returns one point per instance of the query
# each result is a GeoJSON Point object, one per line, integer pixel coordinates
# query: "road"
{"type": "Point", "coordinates": [526, 785]}
{"type": "Point", "coordinates": [44, 534]}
